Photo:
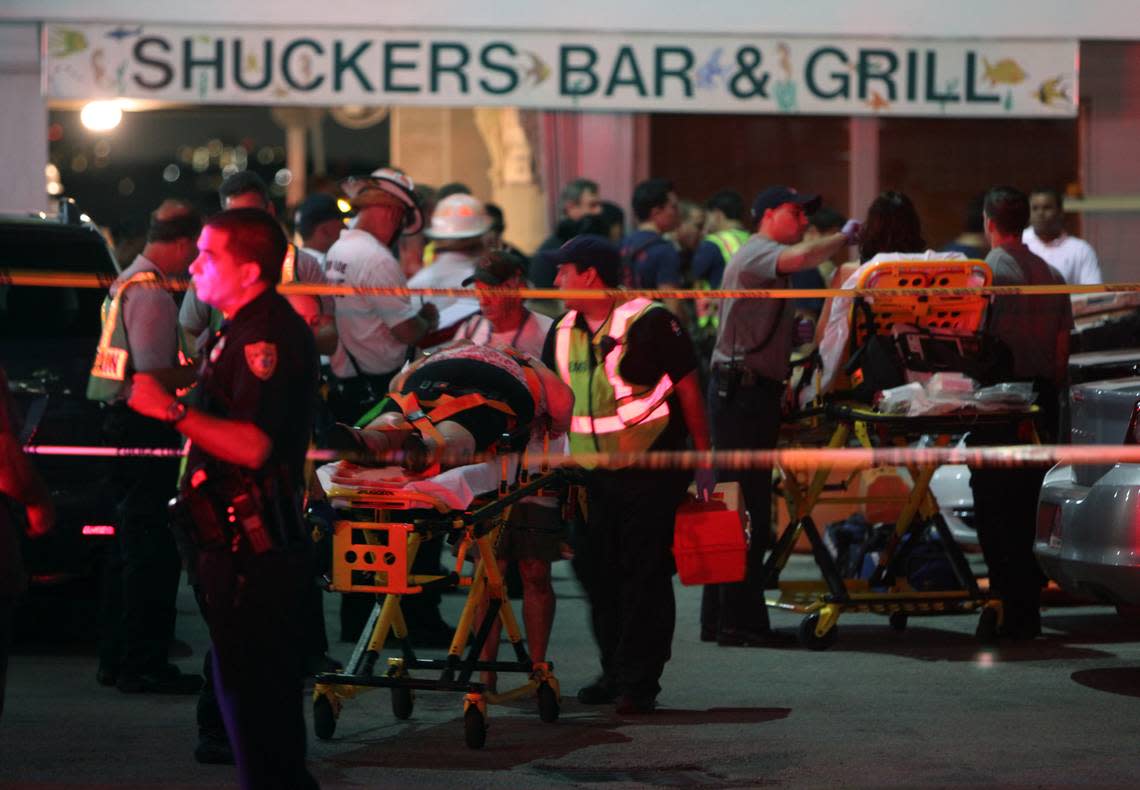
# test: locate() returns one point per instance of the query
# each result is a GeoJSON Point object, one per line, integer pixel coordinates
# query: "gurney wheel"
{"type": "Point", "coordinates": [324, 718]}
{"type": "Point", "coordinates": [403, 701]}
{"type": "Point", "coordinates": [898, 621]}
{"type": "Point", "coordinates": [474, 728]}
{"type": "Point", "coordinates": [547, 703]}
{"type": "Point", "coordinates": [808, 637]}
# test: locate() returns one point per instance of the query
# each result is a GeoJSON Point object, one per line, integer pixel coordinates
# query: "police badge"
{"type": "Point", "coordinates": [262, 359]}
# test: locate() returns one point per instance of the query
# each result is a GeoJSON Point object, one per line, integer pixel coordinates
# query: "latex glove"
{"type": "Point", "coordinates": [850, 231]}
{"type": "Point", "coordinates": [706, 483]}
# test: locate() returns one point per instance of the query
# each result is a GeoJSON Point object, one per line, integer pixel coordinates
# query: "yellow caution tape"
{"type": "Point", "coordinates": [93, 280]}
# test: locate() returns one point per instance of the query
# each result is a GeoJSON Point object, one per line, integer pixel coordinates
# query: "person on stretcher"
{"type": "Point", "coordinates": [462, 400]}
{"type": "Point", "coordinates": [891, 231]}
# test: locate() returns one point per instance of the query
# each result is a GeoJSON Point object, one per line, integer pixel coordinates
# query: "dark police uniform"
{"type": "Point", "coordinates": [626, 563]}
{"type": "Point", "coordinates": [261, 367]}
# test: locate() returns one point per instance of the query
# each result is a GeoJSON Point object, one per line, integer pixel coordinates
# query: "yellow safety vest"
{"type": "Point", "coordinates": [108, 379]}
{"type": "Point", "coordinates": [728, 242]}
{"type": "Point", "coordinates": [610, 413]}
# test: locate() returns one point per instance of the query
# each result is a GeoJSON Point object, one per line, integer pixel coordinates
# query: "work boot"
{"type": "Point", "coordinates": [742, 637]}
{"type": "Point", "coordinates": [170, 680]}
{"type": "Point", "coordinates": [600, 692]}
{"type": "Point", "coordinates": [635, 704]}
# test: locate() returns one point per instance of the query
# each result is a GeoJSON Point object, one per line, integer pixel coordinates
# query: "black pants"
{"type": "Point", "coordinates": [251, 605]}
{"type": "Point", "coordinates": [1005, 511]}
{"type": "Point", "coordinates": [743, 417]}
{"type": "Point", "coordinates": [142, 569]}
{"type": "Point", "coordinates": [627, 570]}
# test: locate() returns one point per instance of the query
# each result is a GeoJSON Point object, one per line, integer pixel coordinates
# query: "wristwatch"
{"type": "Point", "coordinates": [175, 412]}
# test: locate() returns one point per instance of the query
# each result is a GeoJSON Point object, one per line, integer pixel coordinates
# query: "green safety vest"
{"type": "Point", "coordinates": [108, 380]}
{"type": "Point", "coordinates": [610, 414]}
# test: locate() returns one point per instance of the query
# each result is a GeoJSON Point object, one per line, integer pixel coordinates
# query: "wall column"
{"type": "Point", "coordinates": [24, 122]}
{"type": "Point", "coordinates": [1110, 127]}
{"type": "Point", "coordinates": [863, 166]}
{"type": "Point", "coordinates": [610, 148]}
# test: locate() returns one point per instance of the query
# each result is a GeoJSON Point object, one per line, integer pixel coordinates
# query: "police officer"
{"type": "Point", "coordinates": [140, 578]}
{"type": "Point", "coordinates": [749, 365]}
{"type": "Point", "coordinates": [633, 372]}
{"type": "Point", "coordinates": [243, 486]}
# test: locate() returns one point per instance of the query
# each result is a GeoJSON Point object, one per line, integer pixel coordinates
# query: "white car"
{"type": "Point", "coordinates": [1088, 517]}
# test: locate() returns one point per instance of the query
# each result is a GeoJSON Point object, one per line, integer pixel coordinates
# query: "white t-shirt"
{"type": "Point", "coordinates": [529, 337]}
{"type": "Point", "coordinates": [449, 270]}
{"type": "Point", "coordinates": [1074, 258]}
{"type": "Point", "coordinates": [363, 322]}
{"type": "Point", "coordinates": [834, 341]}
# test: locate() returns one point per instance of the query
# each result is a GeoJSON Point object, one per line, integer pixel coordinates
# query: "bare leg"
{"type": "Point", "coordinates": [538, 605]}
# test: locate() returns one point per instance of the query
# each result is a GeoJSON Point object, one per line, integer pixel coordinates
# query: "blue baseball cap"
{"type": "Point", "coordinates": [774, 197]}
{"type": "Point", "coordinates": [589, 251]}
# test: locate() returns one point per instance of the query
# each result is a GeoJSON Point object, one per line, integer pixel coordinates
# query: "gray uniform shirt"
{"type": "Point", "coordinates": [755, 332]}
{"type": "Point", "coordinates": [1029, 325]}
{"type": "Point", "coordinates": [151, 320]}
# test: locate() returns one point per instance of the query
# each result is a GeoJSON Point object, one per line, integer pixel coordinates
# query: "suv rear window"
{"type": "Point", "coordinates": [28, 312]}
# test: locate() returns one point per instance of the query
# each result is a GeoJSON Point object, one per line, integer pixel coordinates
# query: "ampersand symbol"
{"type": "Point", "coordinates": [748, 59]}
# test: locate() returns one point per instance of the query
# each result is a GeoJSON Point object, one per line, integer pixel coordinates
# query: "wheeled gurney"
{"type": "Point", "coordinates": [928, 332]}
{"type": "Point", "coordinates": [373, 549]}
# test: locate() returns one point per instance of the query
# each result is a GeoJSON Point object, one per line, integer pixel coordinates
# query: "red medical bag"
{"type": "Point", "coordinates": [709, 538]}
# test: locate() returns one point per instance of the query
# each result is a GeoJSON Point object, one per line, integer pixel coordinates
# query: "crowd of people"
{"type": "Point", "coordinates": [623, 375]}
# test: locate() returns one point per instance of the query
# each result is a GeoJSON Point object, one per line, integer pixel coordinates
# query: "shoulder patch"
{"type": "Point", "coordinates": [262, 359]}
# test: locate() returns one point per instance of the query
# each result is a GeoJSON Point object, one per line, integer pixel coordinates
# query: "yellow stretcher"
{"type": "Point", "coordinates": [373, 551]}
{"type": "Point", "coordinates": [822, 602]}
{"type": "Point", "coordinates": [954, 318]}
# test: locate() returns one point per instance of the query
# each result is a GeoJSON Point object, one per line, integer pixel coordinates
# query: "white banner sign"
{"type": "Point", "coordinates": [562, 71]}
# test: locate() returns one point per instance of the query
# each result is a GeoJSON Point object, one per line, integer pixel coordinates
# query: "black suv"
{"type": "Point", "coordinates": [47, 343]}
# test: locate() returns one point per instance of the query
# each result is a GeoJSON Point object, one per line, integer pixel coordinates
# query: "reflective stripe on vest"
{"type": "Point", "coordinates": [108, 378]}
{"type": "Point", "coordinates": [609, 412]}
{"type": "Point", "coordinates": [289, 265]}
